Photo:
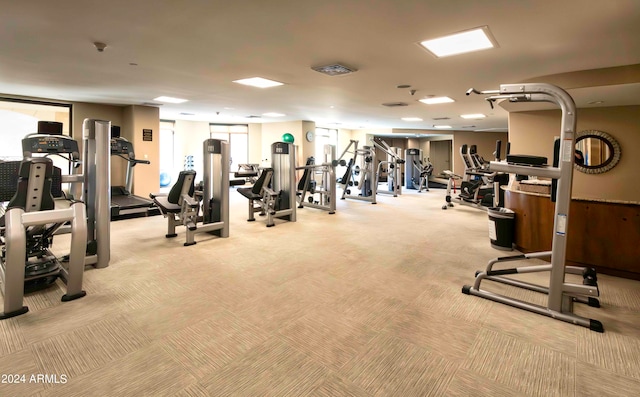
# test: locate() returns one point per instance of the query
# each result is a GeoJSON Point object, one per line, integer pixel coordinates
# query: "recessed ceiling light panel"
{"type": "Point", "coordinates": [459, 43]}
{"type": "Point", "coordinates": [436, 100]}
{"type": "Point", "coordinates": [474, 116]}
{"type": "Point", "coordinates": [411, 119]}
{"type": "Point", "coordinates": [259, 82]}
{"type": "Point", "coordinates": [442, 126]}
{"type": "Point", "coordinates": [169, 99]}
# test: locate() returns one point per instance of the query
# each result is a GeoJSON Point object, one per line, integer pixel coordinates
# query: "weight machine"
{"type": "Point", "coordinates": [416, 175]}
{"type": "Point", "coordinates": [359, 175]}
{"type": "Point", "coordinates": [91, 185]}
{"type": "Point", "coordinates": [394, 168]}
{"type": "Point", "coordinates": [274, 192]}
{"type": "Point", "coordinates": [28, 225]}
{"type": "Point", "coordinates": [183, 205]}
{"type": "Point", "coordinates": [326, 190]}
{"type": "Point", "coordinates": [561, 294]}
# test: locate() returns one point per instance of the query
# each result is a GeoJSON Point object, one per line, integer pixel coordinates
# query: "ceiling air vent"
{"type": "Point", "coordinates": [253, 117]}
{"type": "Point", "coordinates": [442, 118]}
{"type": "Point", "coordinates": [395, 104]}
{"type": "Point", "coordinates": [334, 70]}
{"type": "Point", "coordinates": [151, 104]}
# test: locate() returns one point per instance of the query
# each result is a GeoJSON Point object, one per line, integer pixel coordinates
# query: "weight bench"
{"type": "Point", "coordinates": [261, 198]}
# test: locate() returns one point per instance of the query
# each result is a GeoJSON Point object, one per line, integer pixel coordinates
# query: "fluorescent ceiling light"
{"type": "Point", "coordinates": [169, 99]}
{"type": "Point", "coordinates": [459, 43]}
{"type": "Point", "coordinates": [273, 114]}
{"type": "Point", "coordinates": [473, 116]}
{"type": "Point", "coordinates": [411, 119]}
{"type": "Point", "coordinates": [258, 82]}
{"type": "Point", "coordinates": [442, 126]}
{"type": "Point", "coordinates": [437, 99]}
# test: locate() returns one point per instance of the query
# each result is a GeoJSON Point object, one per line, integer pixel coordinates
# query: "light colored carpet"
{"type": "Point", "coordinates": [365, 302]}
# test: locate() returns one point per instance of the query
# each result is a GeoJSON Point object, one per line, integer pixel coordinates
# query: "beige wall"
{"type": "Point", "coordinates": [131, 120]}
{"type": "Point", "coordinates": [112, 113]}
{"type": "Point", "coordinates": [533, 133]}
{"type": "Point", "coordinates": [485, 141]}
{"type": "Point", "coordinates": [83, 111]}
{"type": "Point", "coordinates": [272, 132]}
{"type": "Point", "coordinates": [146, 178]}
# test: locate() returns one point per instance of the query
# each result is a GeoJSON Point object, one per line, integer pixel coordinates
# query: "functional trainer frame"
{"type": "Point", "coordinates": [394, 168]}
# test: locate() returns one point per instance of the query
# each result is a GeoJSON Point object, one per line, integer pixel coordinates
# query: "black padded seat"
{"type": "Point", "coordinates": [171, 202]}
{"type": "Point", "coordinates": [255, 192]}
{"type": "Point", "coordinates": [166, 206]}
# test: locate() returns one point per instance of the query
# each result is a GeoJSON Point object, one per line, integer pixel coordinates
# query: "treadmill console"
{"type": "Point", "coordinates": [49, 144]}
{"type": "Point", "coordinates": [122, 147]}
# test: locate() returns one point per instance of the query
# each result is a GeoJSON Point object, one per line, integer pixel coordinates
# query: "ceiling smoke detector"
{"type": "Point", "coordinates": [334, 70]}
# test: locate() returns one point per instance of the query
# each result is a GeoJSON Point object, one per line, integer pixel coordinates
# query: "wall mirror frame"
{"type": "Point", "coordinates": [601, 152]}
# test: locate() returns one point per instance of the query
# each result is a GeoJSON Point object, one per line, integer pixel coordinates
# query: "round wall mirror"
{"type": "Point", "coordinates": [596, 152]}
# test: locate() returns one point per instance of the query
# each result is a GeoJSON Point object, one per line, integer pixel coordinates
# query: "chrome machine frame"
{"type": "Point", "coordinates": [394, 165]}
{"type": "Point", "coordinates": [283, 183]}
{"type": "Point", "coordinates": [327, 191]}
{"type": "Point", "coordinates": [215, 202]}
{"type": "Point", "coordinates": [561, 294]}
{"type": "Point", "coordinates": [96, 193]}
{"type": "Point", "coordinates": [366, 172]}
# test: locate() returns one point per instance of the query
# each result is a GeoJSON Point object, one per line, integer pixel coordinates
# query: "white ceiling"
{"type": "Point", "coordinates": [194, 49]}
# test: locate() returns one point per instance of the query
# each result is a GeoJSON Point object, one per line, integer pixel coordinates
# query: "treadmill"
{"type": "Point", "coordinates": [124, 204]}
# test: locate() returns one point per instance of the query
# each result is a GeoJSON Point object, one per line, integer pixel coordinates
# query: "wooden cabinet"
{"type": "Point", "coordinates": [603, 235]}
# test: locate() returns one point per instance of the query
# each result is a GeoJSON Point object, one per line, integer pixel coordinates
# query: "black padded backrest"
{"type": "Point", "coordinates": [56, 182]}
{"type": "Point", "coordinates": [8, 179]}
{"type": "Point", "coordinates": [33, 191]}
{"type": "Point", "coordinates": [185, 177]}
{"type": "Point", "coordinates": [265, 177]}
{"type": "Point", "coordinates": [305, 174]}
{"type": "Point", "coordinates": [346, 172]}
{"type": "Point", "coordinates": [465, 157]}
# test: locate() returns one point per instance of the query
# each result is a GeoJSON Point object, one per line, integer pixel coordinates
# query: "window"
{"type": "Point", "coordinates": [20, 117]}
{"type": "Point", "coordinates": [325, 136]}
{"type": "Point", "coordinates": [168, 170]}
{"type": "Point", "coordinates": [238, 137]}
